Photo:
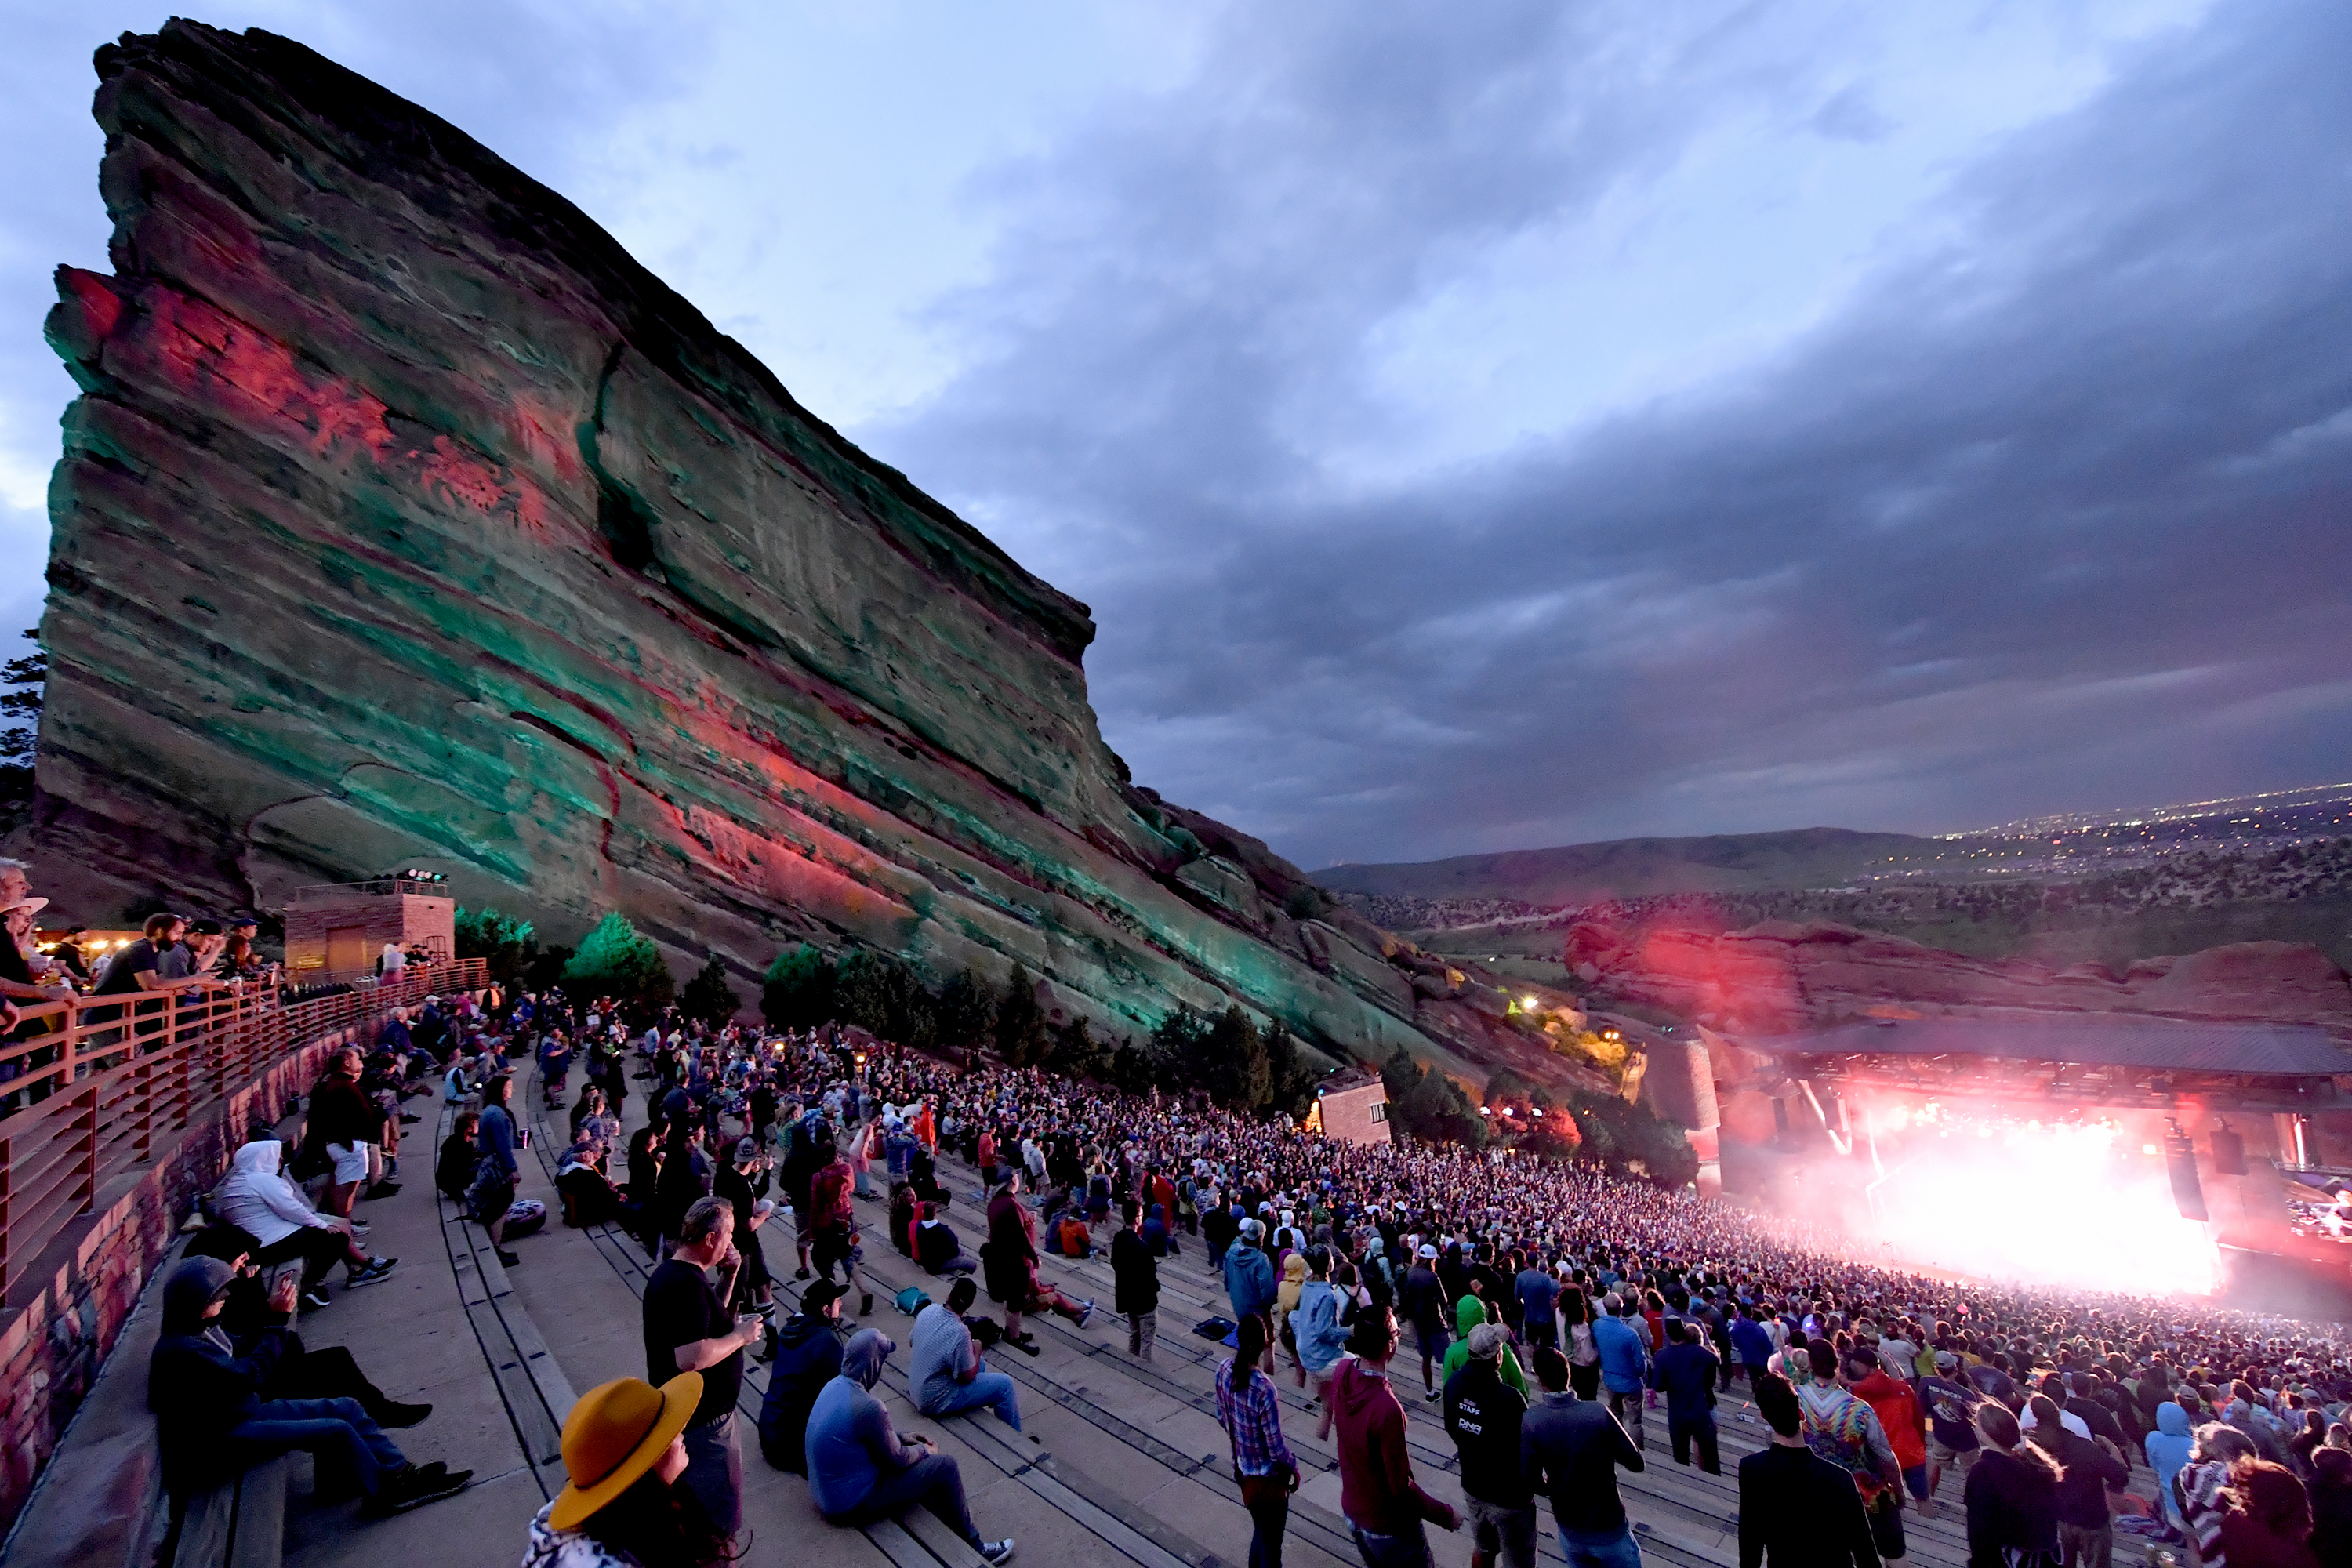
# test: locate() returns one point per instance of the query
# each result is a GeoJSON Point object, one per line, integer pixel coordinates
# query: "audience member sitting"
{"type": "Point", "coordinates": [624, 1450]}
{"type": "Point", "coordinates": [861, 1471]}
{"type": "Point", "coordinates": [453, 1173]}
{"type": "Point", "coordinates": [937, 1247]}
{"type": "Point", "coordinates": [946, 1371]}
{"type": "Point", "coordinates": [213, 1421]}
{"type": "Point", "coordinates": [806, 1357]}
{"type": "Point", "coordinates": [247, 1309]}
{"type": "Point", "coordinates": [259, 1200]}
{"type": "Point", "coordinates": [589, 1197]}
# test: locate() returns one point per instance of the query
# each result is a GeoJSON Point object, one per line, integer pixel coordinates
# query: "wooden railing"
{"type": "Point", "coordinates": [108, 1080]}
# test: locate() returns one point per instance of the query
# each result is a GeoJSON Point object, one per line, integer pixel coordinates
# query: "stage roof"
{"type": "Point", "coordinates": [2292, 1050]}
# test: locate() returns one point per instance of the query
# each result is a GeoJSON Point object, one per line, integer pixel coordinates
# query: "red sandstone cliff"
{"type": "Point", "coordinates": [1780, 976]}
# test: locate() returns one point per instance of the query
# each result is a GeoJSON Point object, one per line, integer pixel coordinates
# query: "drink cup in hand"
{"type": "Point", "coordinates": [522, 1137]}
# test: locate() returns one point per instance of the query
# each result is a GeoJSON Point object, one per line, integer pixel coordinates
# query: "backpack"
{"type": "Point", "coordinates": [911, 1300]}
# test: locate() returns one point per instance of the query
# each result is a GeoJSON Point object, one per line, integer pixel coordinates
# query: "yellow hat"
{"type": "Point", "coordinates": [614, 1435]}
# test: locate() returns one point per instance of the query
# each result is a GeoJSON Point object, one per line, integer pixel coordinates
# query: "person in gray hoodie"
{"type": "Point", "coordinates": [861, 1471]}
{"type": "Point", "coordinates": [213, 1422]}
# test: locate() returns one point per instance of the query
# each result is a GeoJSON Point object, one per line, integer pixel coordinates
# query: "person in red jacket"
{"type": "Point", "coordinates": [1385, 1506]}
{"type": "Point", "coordinates": [834, 1225]}
{"type": "Point", "coordinates": [1898, 1412]}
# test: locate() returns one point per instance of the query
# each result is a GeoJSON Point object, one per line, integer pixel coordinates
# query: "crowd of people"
{"type": "Point", "coordinates": [1556, 1314]}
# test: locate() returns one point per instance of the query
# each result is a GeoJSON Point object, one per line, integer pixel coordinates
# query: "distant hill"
{"type": "Point", "coordinates": [1638, 867]}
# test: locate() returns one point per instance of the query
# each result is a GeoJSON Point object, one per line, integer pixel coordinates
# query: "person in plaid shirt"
{"type": "Point", "coordinates": [1252, 1417]}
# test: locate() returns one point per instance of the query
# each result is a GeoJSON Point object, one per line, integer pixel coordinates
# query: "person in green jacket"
{"type": "Point", "coordinates": [1468, 1313]}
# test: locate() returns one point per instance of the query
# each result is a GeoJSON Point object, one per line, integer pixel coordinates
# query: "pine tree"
{"type": "Point", "coordinates": [619, 961]}
{"type": "Point", "coordinates": [1020, 1022]}
{"type": "Point", "coordinates": [797, 992]}
{"type": "Point", "coordinates": [708, 996]}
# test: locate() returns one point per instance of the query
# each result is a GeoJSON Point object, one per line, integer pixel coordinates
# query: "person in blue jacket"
{"type": "Point", "coordinates": [1625, 1363]}
{"type": "Point", "coordinates": [2168, 1451]}
{"type": "Point", "coordinates": [1315, 1324]}
{"type": "Point", "coordinates": [807, 1357]}
{"type": "Point", "coordinates": [1249, 1280]}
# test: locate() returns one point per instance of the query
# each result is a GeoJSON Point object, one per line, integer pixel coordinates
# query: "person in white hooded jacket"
{"type": "Point", "coordinates": [260, 1200]}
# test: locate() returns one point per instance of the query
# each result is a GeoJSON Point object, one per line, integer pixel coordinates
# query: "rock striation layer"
{"type": "Point", "coordinates": [405, 517]}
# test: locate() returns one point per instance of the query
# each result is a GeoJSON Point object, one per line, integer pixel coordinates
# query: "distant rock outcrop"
{"type": "Point", "coordinates": [405, 519]}
{"type": "Point", "coordinates": [1780, 976]}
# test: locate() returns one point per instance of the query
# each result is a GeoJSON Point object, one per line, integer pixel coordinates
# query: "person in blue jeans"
{"type": "Point", "coordinates": [212, 1422]}
{"type": "Point", "coordinates": [948, 1376]}
{"type": "Point", "coordinates": [1570, 1449]}
{"type": "Point", "coordinates": [1624, 1362]}
{"type": "Point", "coordinates": [1684, 1370]}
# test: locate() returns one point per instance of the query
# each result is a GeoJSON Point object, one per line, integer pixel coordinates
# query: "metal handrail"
{"type": "Point", "coordinates": [108, 1080]}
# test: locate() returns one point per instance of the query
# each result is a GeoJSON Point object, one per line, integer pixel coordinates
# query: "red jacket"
{"type": "Point", "coordinates": [829, 1192]}
{"type": "Point", "coordinates": [1377, 1490]}
{"type": "Point", "coordinates": [1898, 1410]}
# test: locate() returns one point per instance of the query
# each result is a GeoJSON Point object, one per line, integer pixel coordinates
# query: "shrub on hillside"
{"type": "Point", "coordinates": [505, 942]}
{"type": "Point", "coordinates": [797, 992]}
{"type": "Point", "coordinates": [619, 961]}
{"type": "Point", "coordinates": [708, 997]}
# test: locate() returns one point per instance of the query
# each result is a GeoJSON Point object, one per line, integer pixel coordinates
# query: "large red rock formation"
{"type": "Point", "coordinates": [1780, 976]}
{"type": "Point", "coordinates": [405, 519]}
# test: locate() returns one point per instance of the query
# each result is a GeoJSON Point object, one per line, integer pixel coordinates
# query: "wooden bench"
{"type": "Point", "coordinates": [240, 1524]}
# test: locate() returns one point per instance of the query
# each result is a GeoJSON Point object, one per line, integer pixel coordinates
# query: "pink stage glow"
{"type": "Point", "coordinates": [2015, 1198]}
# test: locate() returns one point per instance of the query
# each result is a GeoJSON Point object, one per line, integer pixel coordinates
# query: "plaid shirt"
{"type": "Point", "coordinates": [1253, 1419]}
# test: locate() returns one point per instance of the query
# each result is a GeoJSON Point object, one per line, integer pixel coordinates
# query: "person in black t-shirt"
{"type": "Point", "coordinates": [688, 1328]}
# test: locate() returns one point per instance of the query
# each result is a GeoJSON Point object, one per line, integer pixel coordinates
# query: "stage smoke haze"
{"type": "Point", "coordinates": [2080, 1203]}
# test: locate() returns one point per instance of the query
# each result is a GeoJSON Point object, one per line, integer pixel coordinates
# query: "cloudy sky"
{"type": "Point", "coordinates": [1487, 426]}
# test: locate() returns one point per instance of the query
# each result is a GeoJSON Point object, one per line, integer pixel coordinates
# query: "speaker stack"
{"type": "Point", "coordinates": [2180, 1163]}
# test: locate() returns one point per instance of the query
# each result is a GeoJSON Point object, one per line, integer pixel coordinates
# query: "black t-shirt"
{"type": "Point", "coordinates": [681, 1307]}
{"type": "Point", "coordinates": [122, 974]}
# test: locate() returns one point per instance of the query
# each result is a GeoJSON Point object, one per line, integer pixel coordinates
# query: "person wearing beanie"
{"type": "Point", "coordinates": [212, 1422]}
{"type": "Point", "coordinates": [861, 1471]}
{"type": "Point", "coordinates": [624, 1451]}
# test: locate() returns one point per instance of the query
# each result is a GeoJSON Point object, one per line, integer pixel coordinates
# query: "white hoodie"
{"type": "Point", "coordinates": [261, 1202]}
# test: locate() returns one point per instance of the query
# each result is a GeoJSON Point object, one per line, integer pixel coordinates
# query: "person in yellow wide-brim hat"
{"type": "Point", "coordinates": [622, 1451]}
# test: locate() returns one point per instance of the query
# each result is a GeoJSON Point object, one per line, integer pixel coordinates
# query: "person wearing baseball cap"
{"type": "Point", "coordinates": [1249, 1282]}
{"type": "Point", "coordinates": [624, 1450]}
{"type": "Point", "coordinates": [806, 1357]}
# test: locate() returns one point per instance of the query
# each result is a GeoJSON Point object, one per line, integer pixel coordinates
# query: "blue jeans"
{"type": "Point", "coordinates": [1599, 1548]}
{"type": "Point", "coordinates": [1405, 1549]}
{"type": "Point", "coordinates": [337, 1432]}
{"type": "Point", "coordinates": [987, 1389]}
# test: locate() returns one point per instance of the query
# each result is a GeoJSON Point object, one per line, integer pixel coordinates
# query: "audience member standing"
{"type": "Point", "coordinates": [1685, 1371]}
{"type": "Point", "coordinates": [1570, 1449]}
{"type": "Point", "coordinates": [1251, 1413]}
{"type": "Point", "coordinates": [688, 1328]}
{"type": "Point", "coordinates": [1483, 1416]}
{"type": "Point", "coordinates": [1624, 1363]}
{"type": "Point", "coordinates": [1385, 1506]}
{"type": "Point", "coordinates": [2011, 1496]}
{"type": "Point", "coordinates": [1135, 1283]}
{"type": "Point", "coordinates": [1796, 1509]}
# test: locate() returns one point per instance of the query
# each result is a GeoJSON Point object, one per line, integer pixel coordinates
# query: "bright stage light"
{"type": "Point", "coordinates": [2065, 1203]}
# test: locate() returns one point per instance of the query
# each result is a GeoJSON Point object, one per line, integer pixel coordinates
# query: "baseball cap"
{"type": "Point", "coordinates": [1945, 1361]}
{"type": "Point", "coordinates": [820, 1294]}
{"type": "Point", "coordinates": [1427, 1251]}
{"type": "Point", "coordinates": [1486, 1341]}
{"type": "Point", "coordinates": [1251, 1229]}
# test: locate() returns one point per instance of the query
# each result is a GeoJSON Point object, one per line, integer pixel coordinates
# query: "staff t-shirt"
{"type": "Point", "coordinates": [681, 1307]}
